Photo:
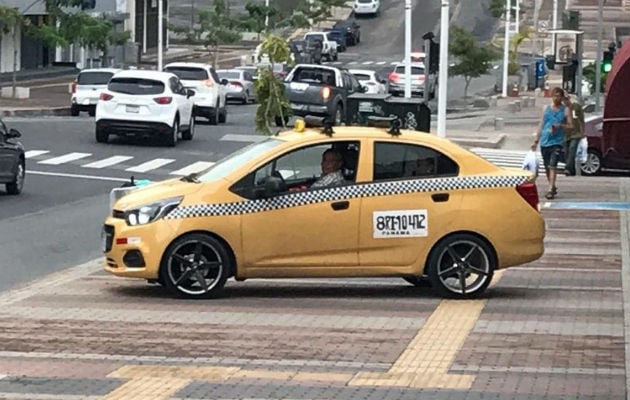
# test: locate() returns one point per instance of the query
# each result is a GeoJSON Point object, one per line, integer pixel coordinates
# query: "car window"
{"type": "Point", "coordinates": [229, 75]}
{"type": "Point", "coordinates": [94, 78]}
{"type": "Point", "coordinates": [176, 86]}
{"type": "Point", "coordinates": [137, 86]}
{"type": "Point", "coordinates": [188, 73]}
{"type": "Point", "coordinates": [314, 75]}
{"type": "Point", "coordinates": [362, 77]}
{"type": "Point", "coordinates": [405, 161]}
{"type": "Point", "coordinates": [215, 76]}
{"type": "Point", "coordinates": [400, 69]}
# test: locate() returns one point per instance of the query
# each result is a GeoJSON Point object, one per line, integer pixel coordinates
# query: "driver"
{"type": "Point", "coordinates": [332, 160]}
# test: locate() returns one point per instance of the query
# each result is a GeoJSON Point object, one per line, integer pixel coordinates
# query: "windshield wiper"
{"type": "Point", "coordinates": [190, 178]}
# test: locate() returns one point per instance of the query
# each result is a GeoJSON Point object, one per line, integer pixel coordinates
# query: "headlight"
{"type": "Point", "coordinates": [151, 212]}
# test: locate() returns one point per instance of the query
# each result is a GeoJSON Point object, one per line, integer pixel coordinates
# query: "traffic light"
{"type": "Point", "coordinates": [88, 4]}
{"type": "Point", "coordinates": [607, 61]}
{"type": "Point", "coordinates": [434, 57]}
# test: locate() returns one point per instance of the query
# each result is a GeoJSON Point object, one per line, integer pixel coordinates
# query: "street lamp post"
{"type": "Point", "coordinates": [506, 49]}
{"type": "Point", "coordinates": [267, 15]}
{"type": "Point", "coordinates": [443, 75]}
{"type": "Point", "coordinates": [407, 49]}
{"type": "Point", "coordinates": [598, 56]}
{"type": "Point", "coordinates": [160, 34]}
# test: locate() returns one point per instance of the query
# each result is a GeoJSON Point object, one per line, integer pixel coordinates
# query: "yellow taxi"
{"type": "Point", "coordinates": [401, 204]}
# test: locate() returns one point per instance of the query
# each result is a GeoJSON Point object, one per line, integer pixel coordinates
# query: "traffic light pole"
{"type": "Point", "coordinates": [598, 59]}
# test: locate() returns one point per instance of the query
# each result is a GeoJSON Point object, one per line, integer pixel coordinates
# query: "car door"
{"type": "Point", "coordinates": [8, 155]}
{"type": "Point", "coordinates": [184, 103]}
{"type": "Point", "coordinates": [300, 227]}
{"type": "Point", "coordinates": [249, 84]}
{"type": "Point", "coordinates": [221, 90]}
{"type": "Point", "coordinates": [400, 226]}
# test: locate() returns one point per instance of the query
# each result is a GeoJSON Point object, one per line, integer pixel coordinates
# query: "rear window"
{"type": "Point", "coordinates": [414, 70]}
{"type": "Point", "coordinates": [314, 75]}
{"type": "Point", "coordinates": [310, 38]}
{"type": "Point", "coordinates": [229, 75]}
{"type": "Point", "coordinates": [94, 78]}
{"type": "Point", "coordinates": [362, 77]}
{"type": "Point", "coordinates": [188, 73]}
{"type": "Point", "coordinates": [135, 86]}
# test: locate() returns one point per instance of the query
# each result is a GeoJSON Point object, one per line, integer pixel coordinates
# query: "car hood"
{"type": "Point", "coordinates": [160, 191]}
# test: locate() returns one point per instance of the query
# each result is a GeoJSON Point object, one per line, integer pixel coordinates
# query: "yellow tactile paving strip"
{"type": "Point", "coordinates": [423, 364]}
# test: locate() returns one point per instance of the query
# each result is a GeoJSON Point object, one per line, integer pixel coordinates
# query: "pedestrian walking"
{"type": "Point", "coordinates": [555, 118]}
{"type": "Point", "coordinates": [573, 135]}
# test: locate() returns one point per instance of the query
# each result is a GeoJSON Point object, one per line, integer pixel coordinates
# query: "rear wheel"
{"type": "Point", "coordinates": [171, 139]}
{"type": "Point", "coordinates": [74, 110]}
{"type": "Point", "coordinates": [17, 185]}
{"type": "Point", "coordinates": [593, 164]}
{"type": "Point", "coordinates": [190, 131]}
{"type": "Point", "coordinates": [92, 111]}
{"type": "Point", "coordinates": [223, 115]}
{"type": "Point", "coordinates": [101, 135]}
{"type": "Point", "coordinates": [461, 266]}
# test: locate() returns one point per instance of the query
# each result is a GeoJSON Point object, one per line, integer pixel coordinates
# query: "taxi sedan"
{"type": "Point", "coordinates": [410, 205]}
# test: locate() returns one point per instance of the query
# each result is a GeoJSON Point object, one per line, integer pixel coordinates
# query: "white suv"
{"type": "Point", "coordinates": [87, 88]}
{"type": "Point", "coordinates": [209, 89]}
{"type": "Point", "coordinates": [145, 103]}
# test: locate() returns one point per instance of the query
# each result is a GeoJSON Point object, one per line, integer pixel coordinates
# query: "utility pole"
{"type": "Point", "coordinates": [506, 49]}
{"type": "Point", "coordinates": [192, 14]}
{"type": "Point", "coordinates": [517, 17]}
{"type": "Point", "coordinates": [554, 26]}
{"type": "Point", "coordinates": [407, 49]}
{"type": "Point", "coordinates": [267, 16]}
{"type": "Point", "coordinates": [443, 76]}
{"type": "Point", "coordinates": [598, 56]}
{"type": "Point", "coordinates": [160, 34]}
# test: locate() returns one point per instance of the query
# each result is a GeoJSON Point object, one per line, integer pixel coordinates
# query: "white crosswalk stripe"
{"type": "Point", "coordinates": [381, 62]}
{"type": "Point", "coordinates": [108, 162]}
{"type": "Point", "coordinates": [150, 165]}
{"type": "Point", "coordinates": [34, 153]}
{"type": "Point", "coordinates": [193, 168]}
{"type": "Point", "coordinates": [66, 158]}
{"type": "Point", "coordinates": [368, 62]}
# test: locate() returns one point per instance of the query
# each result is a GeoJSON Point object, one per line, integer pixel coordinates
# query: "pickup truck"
{"type": "Point", "coordinates": [329, 45]}
{"type": "Point", "coordinates": [320, 90]}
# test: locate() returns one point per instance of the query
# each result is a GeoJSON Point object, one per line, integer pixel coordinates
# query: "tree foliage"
{"type": "Point", "coordinates": [12, 22]}
{"type": "Point", "coordinates": [497, 8]}
{"type": "Point", "coordinates": [270, 92]}
{"type": "Point", "coordinates": [257, 14]}
{"type": "Point", "coordinates": [473, 59]}
{"type": "Point", "coordinates": [216, 27]}
{"type": "Point", "coordinates": [589, 73]}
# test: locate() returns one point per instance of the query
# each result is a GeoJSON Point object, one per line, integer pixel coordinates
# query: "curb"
{"type": "Point", "coordinates": [36, 112]}
{"type": "Point", "coordinates": [494, 142]}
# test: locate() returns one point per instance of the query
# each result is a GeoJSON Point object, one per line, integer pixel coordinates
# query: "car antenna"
{"type": "Point", "coordinates": [328, 127]}
{"type": "Point", "coordinates": [394, 128]}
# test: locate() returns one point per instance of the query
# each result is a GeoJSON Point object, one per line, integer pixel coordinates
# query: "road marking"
{"type": "Point", "coordinates": [233, 137]}
{"type": "Point", "coordinates": [352, 62]}
{"type": "Point", "coordinates": [65, 158]}
{"type": "Point", "coordinates": [149, 165]}
{"type": "Point", "coordinates": [79, 176]}
{"type": "Point", "coordinates": [193, 168]}
{"type": "Point", "coordinates": [107, 162]}
{"type": "Point", "coordinates": [368, 62]}
{"type": "Point", "coordinates": [393, 63]}
{"type": "Point", "coordinates": [381, 62]}
{"type": "Point", "coordinates": [35, 153]}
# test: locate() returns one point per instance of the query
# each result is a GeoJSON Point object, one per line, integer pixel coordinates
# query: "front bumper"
{"type": "Point", "coordinates": [135, 251]}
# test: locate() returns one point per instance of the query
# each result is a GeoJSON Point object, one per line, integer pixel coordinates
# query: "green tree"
{"type": "Point", "coordinates": [515, 43]}
{"type": "Point", "coordinates": [257, 14]}
{"type": "Point", "coordinates": [473, 59]}
{"type": "Point", "coordinates": [12, 22]}
{"type": "Point", "coordinates": [589, 75]}
{"type": "Point", "coordinates": [273, 104]}
{"type": "Point", "coordinates": [497, 8]}
{"type": "Point", "coordinates": [216, 27]}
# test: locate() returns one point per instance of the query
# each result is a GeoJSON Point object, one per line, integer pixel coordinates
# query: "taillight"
{"type": "Point", "coordinates": [163, 100]}
{"type": "Point", "coordinates": [106, 96]}
{"type": "Point", "coordinates": [393, 77]}
{"type": "Point", "coordinates": [421, 78]}
{"type": "Point", "coordinates": [74, 86]}
{"type": "Point", "coordinates": [529, 192]}
{"type": "Point", "coordinates": [236, 83]}
{"type": "Point", "coordinates": [326, 92]}
{"type": "Point", "coordinates": [208, 83]}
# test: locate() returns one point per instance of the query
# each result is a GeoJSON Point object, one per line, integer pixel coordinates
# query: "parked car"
{"type": "Point", "coordinates": [367, 7]}
{"type": "Point", "coordinates": [338, 36]}
{"type": "Point", "coordinates": [409, 205]}
{"type": "Point", "coordinates": [608, 146]}
{"type": "Point", "coordinates": [299, 52]}
{"type": "Point", "coordinates": [87, 88]}
{"type": "Point", "coordinates": [252, 69]}
{"type": "Point", "coordinates": [240, 85]}
{"type": "Point", "coordinates": [352, 29]}
{"type": "Point", "coordinates": [396, 80]}
{"type": "Point", "coordinates": [147, 104]}
{"type": "Point", "coordinates": [209, 89]}
{"type": "Point", "coordinates": [371, 80]}
{"type": "Point", "coordinates": [328, 46]}
{"type": "Point", "coordinates": [12, 160]}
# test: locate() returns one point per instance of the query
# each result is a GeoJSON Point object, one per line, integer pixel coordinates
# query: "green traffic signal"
{"type": "Point", "coordinates": [607, 61]}
{"type": "Point", "coordinates": [606, 66]}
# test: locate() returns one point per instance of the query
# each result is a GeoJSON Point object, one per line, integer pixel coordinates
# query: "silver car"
{"type": "Point", "coordinates": [240, 85]}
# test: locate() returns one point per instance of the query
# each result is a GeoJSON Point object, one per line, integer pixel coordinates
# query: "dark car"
{"type": "Point", "coordinates": [352, 30]}
{"type": "Point", "coordinates": [338, 36]}
{"type": "Point", "coordinates": [607, 148]}
{"type": "Point", "coordinates": [12, 160]}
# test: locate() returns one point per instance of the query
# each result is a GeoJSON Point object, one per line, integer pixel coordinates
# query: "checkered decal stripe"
{"type": "Point", "coordinates": [346, 192]}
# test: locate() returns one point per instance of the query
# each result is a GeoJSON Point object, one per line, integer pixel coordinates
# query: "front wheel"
{"type": "Point", "coordinates": [593, 164]}
{"type": "Point", "coordinates": [461, 266]}
{"type": "Point", "coordinates": [17, 185]}
{"type": "Point", "coordinates": [101, 135]}
{"type": "Point", "coordinates": [195, 266]}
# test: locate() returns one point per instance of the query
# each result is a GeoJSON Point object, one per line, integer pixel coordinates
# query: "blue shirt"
{"type": "Point", "coordinates": [550, 118]}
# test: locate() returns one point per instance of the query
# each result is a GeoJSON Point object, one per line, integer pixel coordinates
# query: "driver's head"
{"type": "Point", "coordinates": [331, 161]}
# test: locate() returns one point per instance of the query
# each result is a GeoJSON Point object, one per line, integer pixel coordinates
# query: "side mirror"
{"type": "Point", "coordinates": [224, 81]}
{"type": "Point", "coordinates": [190, 93]}
{"type": "Point", "coordinates": [13, 133]}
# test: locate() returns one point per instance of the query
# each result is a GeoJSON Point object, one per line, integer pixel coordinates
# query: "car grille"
{"type": "Point", "coordinates": [108, 237]}
{"type": "Point", "coordinates": [118, 214]}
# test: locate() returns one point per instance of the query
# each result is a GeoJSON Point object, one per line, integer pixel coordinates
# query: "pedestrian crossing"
{"type": "Point", "coordinates": [119, 162]}
{"type": "Point", "coordinates": [508, 158]}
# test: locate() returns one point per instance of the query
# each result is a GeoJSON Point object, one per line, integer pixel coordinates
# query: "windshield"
{"type": "Point", "coordinates": [223, 167]}
{"type": "Point", "coordinates": [188, 73]}
{"type": "Point", "coordinates": [94, 78]}
{"type": "Point", "coordinates": [137, 86]}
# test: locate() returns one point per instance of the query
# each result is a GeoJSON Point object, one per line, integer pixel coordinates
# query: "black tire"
{"type": "Point", "coordinates": [92, 111]}
{"type": "Point", "coordinates": [593, 164]}
{"type": "Point", "coordinates": [335, 57]}
{"type": "Point", "coordinates": [461, 266]}
{"type": "Point", "coordinates": [190, 130]}
{"type": "Point", "coordinates": [15, 187]}
{"type": "Point", "coordinates": [338, 114]}
{"type": "Point", "coordinates": [418, 281]}
{"type": "Point", "coordinates": [223, 115]}
{"type": "Point", "coordinates": [214, 118]}
{"type": "Point", "coordinates": [195, 258]}
{"type": "Point", "coordinates": [171, 139]}
{"type": "Point", "coordinates": [101, 136]}
{"type": "Point", "coordinates": [74, 110]}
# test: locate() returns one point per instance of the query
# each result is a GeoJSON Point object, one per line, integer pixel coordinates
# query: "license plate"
{"type": "Point", "coordinates": [86, 102]}
{"type": "Point", "coordinates": [133, 109]}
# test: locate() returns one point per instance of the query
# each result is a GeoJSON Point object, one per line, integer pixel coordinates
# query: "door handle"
{"type": "Point", "coordinates": [340, 205]}
{"type": "Point", "coordinates": [440, 197]}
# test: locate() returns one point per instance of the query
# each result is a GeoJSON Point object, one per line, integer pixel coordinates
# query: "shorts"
{"type": "Point", "coordinates": [551, 156]}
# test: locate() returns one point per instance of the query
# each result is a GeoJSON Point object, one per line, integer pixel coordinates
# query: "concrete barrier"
{"type": "Point", "coordinates": [515, 106]}
{"type": "Point", "coordinates": [499, 124]}
{"type": "Point", "coordinates": [20, 92]}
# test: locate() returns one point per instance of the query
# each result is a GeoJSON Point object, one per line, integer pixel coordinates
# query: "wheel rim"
{"type": "Point", "coordinates": [19, 178]}
{"type": "Point", "coordinates": [463, 267]}
{"type": "Point", "coordinates": [191, 126]}
{"type": "Point", "coordinates": [195, 268]}
{"type": "Point", "coordinates": [592, 164]}
{"type": "Point", "coordinates": [338, 117]}
{"type": "Point", "coordinates": [175, 130]}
